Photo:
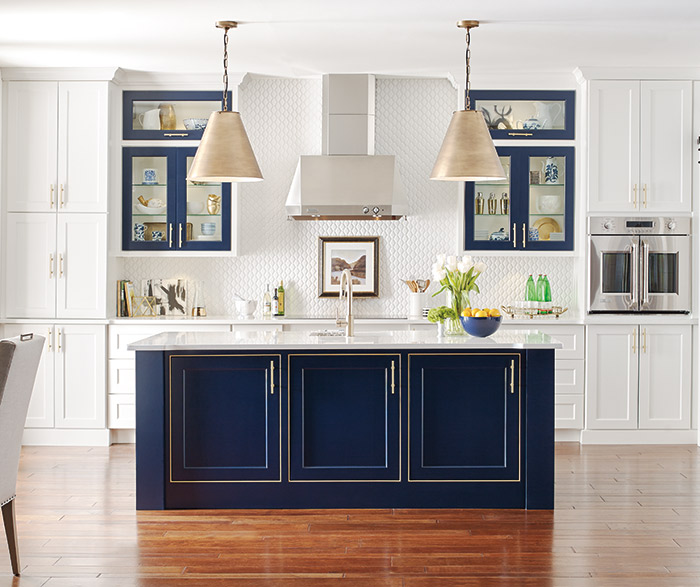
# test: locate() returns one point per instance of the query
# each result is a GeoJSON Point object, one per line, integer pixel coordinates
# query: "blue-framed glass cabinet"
{"type": "Point", "coordinates": [170, 116]}
{"type": "Point", "coordinates": [527, 114]}
{"type": "Point", "coordinates": [163, 211]}
{"type": "Point", "coordinates": [532, 209]}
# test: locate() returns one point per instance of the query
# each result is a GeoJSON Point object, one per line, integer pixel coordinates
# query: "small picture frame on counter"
{"type": "Point", "coordinates": [359, 254]}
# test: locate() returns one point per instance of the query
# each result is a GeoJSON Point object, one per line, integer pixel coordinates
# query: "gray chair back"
{"type": "Point", "coordinates": [19, 361]}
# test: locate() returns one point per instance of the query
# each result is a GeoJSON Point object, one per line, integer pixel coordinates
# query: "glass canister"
{"type": "Point", "coordinates": [479, 203]}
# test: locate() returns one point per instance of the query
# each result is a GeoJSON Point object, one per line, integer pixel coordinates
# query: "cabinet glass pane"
{"type": "Point", "coordinates": [523, 114]}
{"type": "Point", "coordinates": [149, 199]}
{"type": "Point", "coordinates": [492, 208]}
{"type": "Point", "coordinates": [174, 115]}
{"type": "Point", "coordinates": [547, 199]}
{"type": "Point", "coordinates": [203, 210]}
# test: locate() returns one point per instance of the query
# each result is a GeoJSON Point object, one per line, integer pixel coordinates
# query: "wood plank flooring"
{"type": "Point", "coordinates": [625, 515]}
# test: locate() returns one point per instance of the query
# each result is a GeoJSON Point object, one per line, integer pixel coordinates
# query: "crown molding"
{"type": "Point", "coordinates": [59, 73]}
{"type": "Point", "coordinates": [131, 79]}
{"type": "Point", "coordinates": [637, 73]}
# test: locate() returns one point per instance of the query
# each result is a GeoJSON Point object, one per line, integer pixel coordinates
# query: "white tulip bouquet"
{"type": "Point", "coordinates": [458, 277]}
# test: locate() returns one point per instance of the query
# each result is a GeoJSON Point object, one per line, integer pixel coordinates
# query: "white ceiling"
{"type": "Point", "coordinates": [308, 37]}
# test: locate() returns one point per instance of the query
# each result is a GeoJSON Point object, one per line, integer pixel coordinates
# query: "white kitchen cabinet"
{"type": "Point", "coordinates": [57, 146]}
{"type": "Point", "coordinates": [637, 377]}
{"type": "Point", "coordinates": [80, 376]}
{"type": "Point", "coordinates": [665, 377]}
{"type": "Point", "coordinates": [41, 406]}
{"type": "Point", "coordinates": [69, 391]}
{"type": "Point", "coordinates": [640, 146]}
{"type": "Point", "coordinates": [56, 265]}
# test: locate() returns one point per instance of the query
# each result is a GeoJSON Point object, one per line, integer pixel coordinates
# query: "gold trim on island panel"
{"type": "Point", "coordinates": [170, 421]}
{"type": "Point", "coordinates": [289, 452]}
{"type": "Point", "coordinates": [520, 427]}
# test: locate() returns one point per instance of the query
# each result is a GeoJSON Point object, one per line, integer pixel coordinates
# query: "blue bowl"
{"type": "Point", "coordinates": [481, 327]}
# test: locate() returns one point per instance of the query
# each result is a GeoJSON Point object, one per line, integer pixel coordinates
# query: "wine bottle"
{"type": "Point", "coordinates": [282, 300]}
{"type": "Point", "coordinates": [275, 304]}
{"type": "Point", "coordinates": [267, 303]}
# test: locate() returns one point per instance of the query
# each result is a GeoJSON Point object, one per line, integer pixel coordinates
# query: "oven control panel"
{"type": "Point", "coordinates": [649, 225]}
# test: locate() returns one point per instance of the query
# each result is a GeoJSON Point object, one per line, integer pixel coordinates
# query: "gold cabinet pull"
{"type": "Point", "coordinates": [49, 338]}
{"type": "Point", "coordinates": [512, 376]}
{"type": "Point", "coordinates": [180, 235]}
{"type": "Point", "coordinates": [176, 134]}
{"type": "Point", "coordinates": [61, 201]}
{"type": "Point", "coordinates": [524, 243]}
{"type": "Point", "coordinates": [634, 195]}
{"type": "Point", "coordinates": [644, 340]}
{"type": "Point", "coordinates": [393, 366]}
{"type": "Point", "coordinates": [51, 201]}
{"type": "Point", "coordinates": [515, 235]}
{"type": "Point", "coordinates": [634, 341]}
{"type": "Point", "coordinates": [50, 265]}
{"type": "Point", "coordinates": [59, 335]}
{"type": "Point", "coordinates": [60, 265]}
{"type": "Point", "coordinates": [272, 378]}
{"type": "Point", "coordinates": [170, 235]}
{"type": "Point", "coordinates": [644, 201]}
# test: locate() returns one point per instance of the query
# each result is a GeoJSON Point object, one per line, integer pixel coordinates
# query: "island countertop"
{"type": "Point", "coordinates": [260, 340]}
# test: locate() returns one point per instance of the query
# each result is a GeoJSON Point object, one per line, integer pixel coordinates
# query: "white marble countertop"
{"type": "Point", "coordinates": [257, 340]}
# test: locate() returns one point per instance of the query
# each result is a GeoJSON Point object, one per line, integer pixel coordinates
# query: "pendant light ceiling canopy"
{"type": "Point", "coordinates": [467, 152]}
{"type": "Point", "coordinates": [224, 153]}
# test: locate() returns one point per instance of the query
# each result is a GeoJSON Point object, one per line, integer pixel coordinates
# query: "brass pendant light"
{"type": "Point", "coordinates": [224, 153]}
{"type": "Point", "coordinates": [467, 152]}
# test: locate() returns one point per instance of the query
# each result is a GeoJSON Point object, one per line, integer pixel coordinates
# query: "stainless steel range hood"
{"type": "Point", "coordinates": [347, 182]}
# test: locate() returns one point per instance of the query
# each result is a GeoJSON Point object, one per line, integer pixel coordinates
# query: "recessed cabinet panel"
{"type": "Point", "coordinates": [464, 417]}
{"type": "Point", "coordinates": [344, 417]}
{"type": "Point", "coordinates": [224, 423]}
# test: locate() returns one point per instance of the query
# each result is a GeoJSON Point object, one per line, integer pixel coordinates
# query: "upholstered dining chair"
{"type": "Point", "coordinates": [19, 361]}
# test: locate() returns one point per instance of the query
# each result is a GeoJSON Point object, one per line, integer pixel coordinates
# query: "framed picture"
{"type": "Point", "coordinates": [359, 254]}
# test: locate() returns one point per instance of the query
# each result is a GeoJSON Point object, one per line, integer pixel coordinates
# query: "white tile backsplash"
{"type": "Point", "coordinates": [283, 120]}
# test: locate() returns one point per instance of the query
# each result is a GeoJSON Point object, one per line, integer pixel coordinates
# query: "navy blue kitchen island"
{"type": "Point", "coordinates": [286, 420]}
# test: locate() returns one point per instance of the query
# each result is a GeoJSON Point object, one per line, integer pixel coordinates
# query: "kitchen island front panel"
{"type": "Point", "coordinates": [206, 434]}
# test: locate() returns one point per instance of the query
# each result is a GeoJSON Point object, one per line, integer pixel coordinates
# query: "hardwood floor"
{"type": "Point", "coordinates": [625, 515]}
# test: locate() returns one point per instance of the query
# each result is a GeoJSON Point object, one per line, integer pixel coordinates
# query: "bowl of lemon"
{"type": "Point", "coordinates": [481, 322]}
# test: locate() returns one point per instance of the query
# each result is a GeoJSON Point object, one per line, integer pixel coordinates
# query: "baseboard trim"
{"type": "Point", "coordinates": [639, 437]}
{"type": "Point", "coordinates": [125, 436]}
{"type": "Point", "coordinates": [567, 435]}
{"type": "Point", "coordinates": [65, 437]}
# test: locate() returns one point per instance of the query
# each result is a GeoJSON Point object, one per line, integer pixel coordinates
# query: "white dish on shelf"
{"type": "Point", "coordinates": [149, 209]}
{"type": "Point", "coordinates": [208, 237]}
{"type": "Point", "coordinates": [549, 203]}
{"type": "Point", "coordinates": [195, 207]}
{"type": "Point", "coordinates": [556, 236]}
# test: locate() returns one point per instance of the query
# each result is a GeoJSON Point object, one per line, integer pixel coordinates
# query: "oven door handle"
{"type": "Point", "coordinates": [645, 273]}
{"type": "Point", "coordinates": [635, 275]}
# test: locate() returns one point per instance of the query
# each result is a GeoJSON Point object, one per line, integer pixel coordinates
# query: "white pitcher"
{"type": "Point", "coordinates": [547, 113]}
{"type": "Point", "coordinates": [150, 120]}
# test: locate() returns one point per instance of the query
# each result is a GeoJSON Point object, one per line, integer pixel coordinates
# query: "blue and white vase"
{"type": "Point", "coordinates": [551, 170]}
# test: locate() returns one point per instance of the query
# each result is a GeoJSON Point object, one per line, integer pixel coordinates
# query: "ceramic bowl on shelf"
{"type": "Point", "coordinates": [480, 327]}
{"type": "Point", "coordinates": [150, 209]}
{"type": "Point", "coordinates": [195, 123]}
{"type": "Point", "coordinates": [548, 203]}
{"type": "Point", "coordinates": [195, 207]}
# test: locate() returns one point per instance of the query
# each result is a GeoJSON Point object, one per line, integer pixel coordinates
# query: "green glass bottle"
{"type": "Point", "coordinates": [530, 290]}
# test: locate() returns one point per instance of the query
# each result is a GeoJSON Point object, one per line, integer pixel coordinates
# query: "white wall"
{"type": "Point", "coordinates": [283, 119]}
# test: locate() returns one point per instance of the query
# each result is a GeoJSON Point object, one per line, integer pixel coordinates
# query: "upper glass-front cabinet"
{"type": "Point", "coordinates": [513, 114]}
{"type": "Point", "coordinates": [168, 115]}
{"type": "Point", "coordinates": [533, 209]}
{"type": "Point", "coordinates": [162, 210]}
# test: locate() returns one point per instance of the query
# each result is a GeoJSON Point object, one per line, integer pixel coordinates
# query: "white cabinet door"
{"type": "Point", "coordinates": [665, 367]}
{"type": "Point", "coordinates": [613, 167]}
{"type": "Point", "coordinates": [41, 406]}
{"type": "Point", "coordinates": [80, 376]}
{"type": "Point", "coordinates": [31, 146]}
{"type": "Point", "coordinates": [81, 266]}
{"type": "Point", "coordinates": [612, 375]}
{"type": "Point", "coordinates": [666, 146]}
{"type": "Point", "coordinates": [83, 125]}
{"type": "Point", "coordinates": [30, 255]}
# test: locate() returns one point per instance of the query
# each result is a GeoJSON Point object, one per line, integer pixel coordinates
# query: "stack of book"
{"type": "Point", "coordinates": [125, 299]}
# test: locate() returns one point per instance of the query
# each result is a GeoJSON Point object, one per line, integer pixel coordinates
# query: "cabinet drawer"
{"type": "Point", "coordinates": [121, 412]}
{"type": "Point", "coordinates": [122, 376]}
{"type": "Point", "coordinates": [121, 336]}
{"type": "Point", "coordinates": [568, 377]}
{"type": "Point", "coordinates": [568, 411]}
{"type": "Point", "coordinates": [570, 335]}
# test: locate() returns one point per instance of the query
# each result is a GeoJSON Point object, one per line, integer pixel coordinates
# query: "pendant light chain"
{"type": "Point", "coordinates": [467, 83]}
{"type": "Point", "coordinates": [226, 29]}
